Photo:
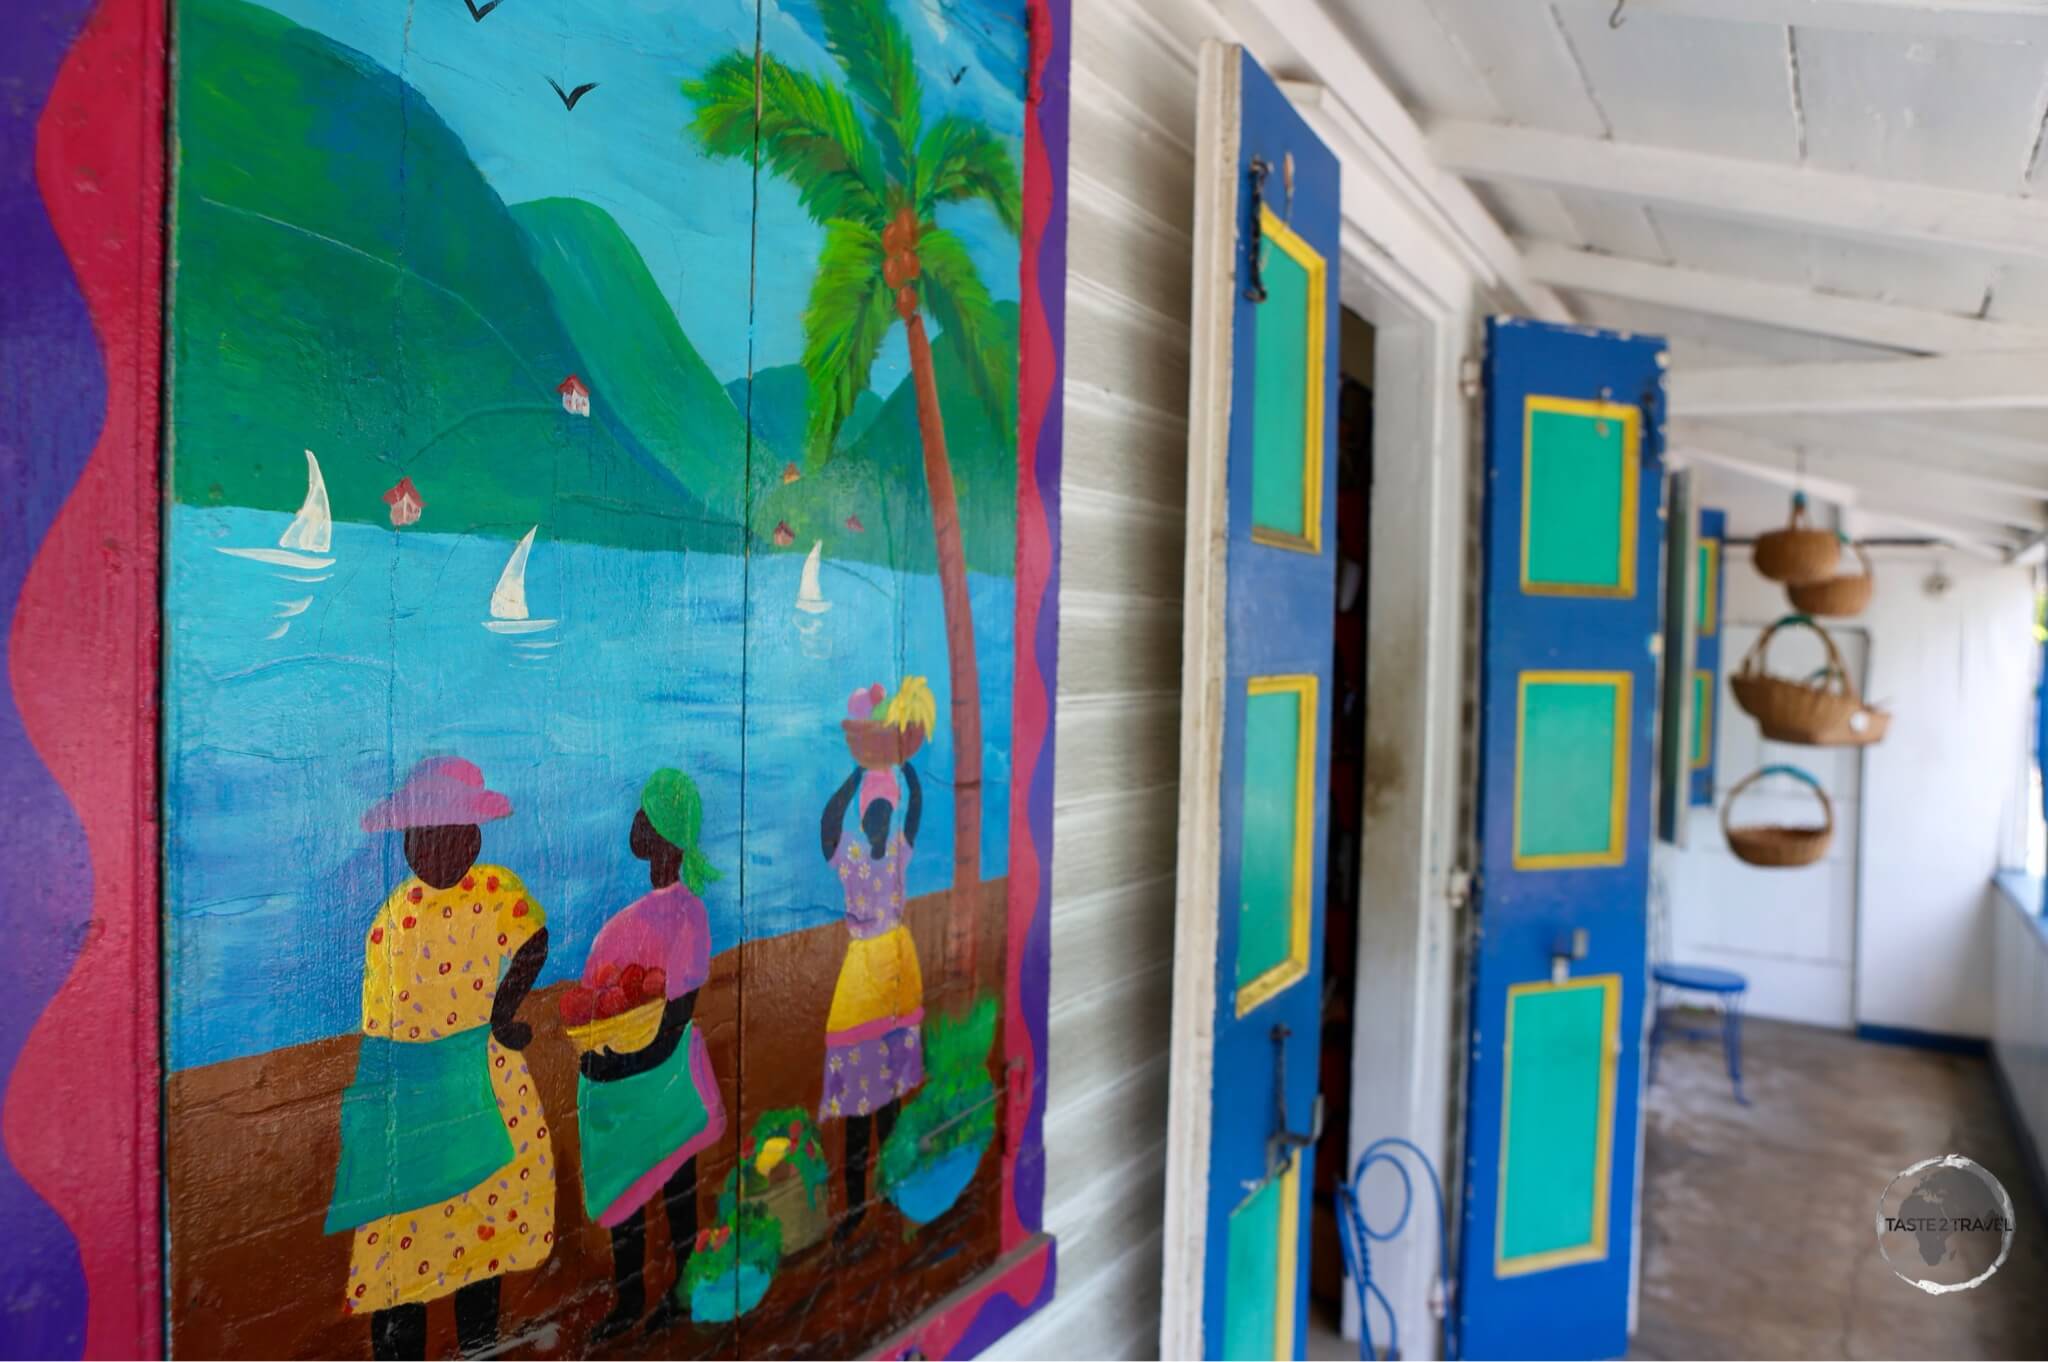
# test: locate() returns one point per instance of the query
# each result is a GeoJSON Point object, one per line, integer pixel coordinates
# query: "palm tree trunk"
{"type": "Point", "coordinates": [965, 682]}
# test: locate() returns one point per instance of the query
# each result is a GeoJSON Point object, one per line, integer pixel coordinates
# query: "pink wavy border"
{"type": "Point", "coordinates": [81, 1110]}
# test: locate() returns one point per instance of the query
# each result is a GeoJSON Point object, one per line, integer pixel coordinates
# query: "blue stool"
{"type": "Point", "coordinates": [1724, 984]}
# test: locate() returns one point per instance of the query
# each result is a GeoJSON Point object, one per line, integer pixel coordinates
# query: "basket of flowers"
{"type": "Point", "coordinates": [617, 1008]}
{"type": "Point", "coordinates": [733, 1262]}
{"type": "Point", "coordinates": [884, 731]}
{"type": "Point", "coordinates": [1776, 845]}
{"type": "Point", "coordinates": [938, 1140]}
{"type": "Point", "coordinates": [783, 1169]}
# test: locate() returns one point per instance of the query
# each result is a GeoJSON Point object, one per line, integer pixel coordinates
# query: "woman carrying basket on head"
{"type": "Point", "coordinates": [874, 1052]}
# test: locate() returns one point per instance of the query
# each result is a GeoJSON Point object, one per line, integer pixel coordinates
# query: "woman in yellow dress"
{"type": "Point", "coordinates": [446, 1174]}
{"type": "Point", "coordinates": [872, 1052]}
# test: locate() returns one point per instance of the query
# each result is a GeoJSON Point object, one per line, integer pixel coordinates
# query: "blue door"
{"type": "Point", "coordinates": [1706, 656]}
{"type": "Point", "coordinates": [1573, 540]}
{"type": "Point", "coordinates": [1261, 581]}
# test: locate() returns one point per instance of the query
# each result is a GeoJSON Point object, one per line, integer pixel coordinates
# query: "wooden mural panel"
{"type": "Point", "coordinates": [609, 615]}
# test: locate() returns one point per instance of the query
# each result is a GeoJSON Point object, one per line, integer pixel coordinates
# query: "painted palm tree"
{"type": "Point", "coordinates": [868, 168]}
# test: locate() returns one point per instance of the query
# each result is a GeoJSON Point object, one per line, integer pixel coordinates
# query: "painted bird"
{"type": "Point", "coordinates": [570, 97]}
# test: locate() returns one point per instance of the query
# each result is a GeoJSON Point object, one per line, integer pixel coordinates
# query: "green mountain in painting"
{"type": "Point", "coordinates": [781, 401]}
{"type": "Point", "coordinates": [391, 314]}
{"type": "Point", "coordinates": [384, 311]}
{"type": "Point", "coordinates": [879, 476]}
{"type": "Point", "coordinates": [634, 351]}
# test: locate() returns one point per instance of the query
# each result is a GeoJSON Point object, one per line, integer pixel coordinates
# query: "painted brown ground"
{"type": "Point", "coordinates": [252, 1145]}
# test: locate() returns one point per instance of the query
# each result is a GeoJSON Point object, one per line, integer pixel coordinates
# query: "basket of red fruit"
{"type": "Point", "coordinates": [618, 1008]}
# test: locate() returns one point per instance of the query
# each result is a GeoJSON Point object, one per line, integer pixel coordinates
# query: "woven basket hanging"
{"type": "Point", "coordinates": [1799, 552]}
{"type": "Point", "coordinates": [1823, 710]}
{"type": "Point", "coordinates": [1836, 597]}
{"type": "Point", "coordinates": [1769, 844]}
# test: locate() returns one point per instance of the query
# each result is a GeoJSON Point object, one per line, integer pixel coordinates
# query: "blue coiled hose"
{"type": "Point", "coordinates": [1355, 1236]}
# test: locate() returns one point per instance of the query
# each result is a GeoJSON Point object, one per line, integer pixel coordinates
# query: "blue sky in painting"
{"type": "Point", "coordinates": [626, 149]}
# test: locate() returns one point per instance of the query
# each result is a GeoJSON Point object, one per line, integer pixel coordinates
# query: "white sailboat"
{"type": "Point", "coordinates": [308, 537]}
{"type": "Point", "coordinates": [809, 597]}
{"type": "Point", "coordinates": [508, 598]}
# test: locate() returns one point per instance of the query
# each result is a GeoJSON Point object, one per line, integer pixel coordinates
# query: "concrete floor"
{"type": "Point", "coordinates": [1758, 1221]}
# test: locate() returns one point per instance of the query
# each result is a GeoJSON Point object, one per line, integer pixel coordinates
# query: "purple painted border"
{"type": "Point", "coordinates": [1023, 1281]}
{"type": "Point", "coordinates": [50, 419]}
{"type": "Point", "coordinates": [999, 1312]}
{"type": "Point", "coordinates": [1052, 113]}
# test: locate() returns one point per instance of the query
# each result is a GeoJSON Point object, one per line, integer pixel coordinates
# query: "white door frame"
{"type": "Point", "coordinates": [1422, 262]}
{"type": "Point", "coordinates": [1408, 1018]}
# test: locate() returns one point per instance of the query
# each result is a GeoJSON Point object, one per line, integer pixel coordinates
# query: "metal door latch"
{"type": "Point", "coordinates": [1567, 948]}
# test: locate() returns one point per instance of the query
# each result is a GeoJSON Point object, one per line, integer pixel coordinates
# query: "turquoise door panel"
{"type": "Point", "coordinates": [1706, 656]}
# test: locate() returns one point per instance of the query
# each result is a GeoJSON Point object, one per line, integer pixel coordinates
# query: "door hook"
{"type": "Point", "coordinates": [1281, 1146]}
{"type": "Point", "coordinates": [1255, 284]}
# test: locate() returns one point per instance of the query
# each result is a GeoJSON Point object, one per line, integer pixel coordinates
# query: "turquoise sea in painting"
{"type": "Point", "coordinates": [296, 697]}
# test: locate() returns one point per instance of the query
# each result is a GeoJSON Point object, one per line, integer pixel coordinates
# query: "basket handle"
{"type": "Point", "coordinates": [1860, 554]}
{"type": "Point", "coordinates": [1836, 670]}
{"type": "Point", "coordinates": [1827, 806]}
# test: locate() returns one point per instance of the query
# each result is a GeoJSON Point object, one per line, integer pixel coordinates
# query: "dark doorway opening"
{"type": "Point", "coordinates": [1347, 785]}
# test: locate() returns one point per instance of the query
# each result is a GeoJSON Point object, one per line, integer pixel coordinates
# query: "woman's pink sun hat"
{"type": "Point", "coordinates": [440, 791]}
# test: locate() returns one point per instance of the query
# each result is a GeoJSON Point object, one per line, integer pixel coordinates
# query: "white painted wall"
{"type": "Point", "coordinates": [1958, 673]}
{"type": "Point", "coordinates": [1939, 794]}
{"type": "Point", "coordinates": [1790, 932]}
{"type": "Point", "coordinates": [1124, 485]}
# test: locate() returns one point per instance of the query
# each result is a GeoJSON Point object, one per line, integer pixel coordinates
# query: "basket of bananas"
{"type": "Point", "coordinates": [884, 731]}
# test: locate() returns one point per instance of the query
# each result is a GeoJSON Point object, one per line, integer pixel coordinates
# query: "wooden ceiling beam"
{"type": "Point", "coordinates": [1930, 487]}
{"type": "Point", "coordinates": [2014, 378]}
{"type": "Point", "coordinates": [1782, 306]}
{"type": "Point", "coordinates": [2027, 482]}
{"type": "Point", "coordinates": [1755, 191]}
{"type": "Point", "coordinates": [1924, 442]}
{"type": "Point", "coordinates": [1997, 21]}
{"type": "Point", "coordinates": [1933, 432]}
{"type": "Point", "coordinates": [1991, 541]}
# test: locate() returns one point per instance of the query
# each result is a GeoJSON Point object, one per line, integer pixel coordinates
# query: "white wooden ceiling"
{"type": "Point", "coordinates": [1837, 210]}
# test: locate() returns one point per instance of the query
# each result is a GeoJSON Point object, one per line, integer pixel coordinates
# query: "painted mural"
{"type": "Point", "coordinates": [607, 674]}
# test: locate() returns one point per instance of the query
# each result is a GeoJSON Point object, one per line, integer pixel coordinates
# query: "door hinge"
{"type": "Point", "coordinates": [1469, 376]}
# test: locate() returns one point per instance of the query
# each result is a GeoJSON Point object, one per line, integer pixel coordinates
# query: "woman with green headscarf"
{"type": "Point", "coordinates": [644, 1115]}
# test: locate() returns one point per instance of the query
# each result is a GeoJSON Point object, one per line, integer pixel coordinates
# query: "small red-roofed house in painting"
{"type": "Point", "coordinates": [575, 396]}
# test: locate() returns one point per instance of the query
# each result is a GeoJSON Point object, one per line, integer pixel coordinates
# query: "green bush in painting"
{"type": "Point", "coordinates": [955, 1109]}
{"type": "Point", "coordinates": [746, 1235]}
{"type": "Point", "coordinates": [794, 1125]}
